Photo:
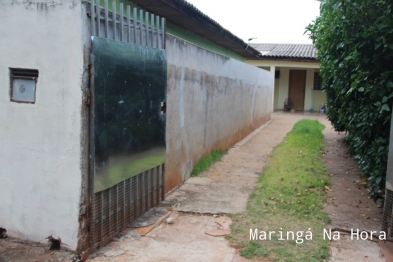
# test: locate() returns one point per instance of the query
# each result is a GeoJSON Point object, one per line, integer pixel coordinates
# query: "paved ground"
{"type": "Point", "coordinates": [200, 205]}
{"type": "Point", "coordinates": [223, 189]}
{"type": "Point", "coordinates": [348, 204]}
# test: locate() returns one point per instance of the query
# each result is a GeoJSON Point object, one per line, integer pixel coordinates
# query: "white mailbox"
{"type": "Point", "coordinates": [23, 85]}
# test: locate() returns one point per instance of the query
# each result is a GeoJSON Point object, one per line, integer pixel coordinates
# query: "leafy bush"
{"type": "Point", "coordinates": [354, 39]}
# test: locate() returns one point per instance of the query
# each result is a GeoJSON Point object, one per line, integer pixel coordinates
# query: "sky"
{"type": "Point", "coordinates": [270, 21]}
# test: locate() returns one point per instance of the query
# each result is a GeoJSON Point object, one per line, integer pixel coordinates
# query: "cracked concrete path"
{"type": "Point", "coordinates": [223, 189]}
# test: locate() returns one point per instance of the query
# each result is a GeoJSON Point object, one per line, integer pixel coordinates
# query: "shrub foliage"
{"type": "Point", "coordinates": [354, 39]}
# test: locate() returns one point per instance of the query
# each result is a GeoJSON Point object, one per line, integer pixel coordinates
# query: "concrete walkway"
{"type": "Point", "coordinates": [201, 204]}
{"type": "Point", "coordinates": [223, 189]}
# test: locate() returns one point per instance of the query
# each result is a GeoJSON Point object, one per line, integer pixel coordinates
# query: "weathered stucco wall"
{"type": "Point", "coordinates": [213, 102]}
{"type": "Point", "coordinates": [40, 152]}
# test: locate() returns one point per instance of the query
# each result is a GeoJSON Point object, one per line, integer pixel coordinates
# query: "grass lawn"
{"type": "Point", "coordinates": [289, 197]}
{"type": "Point", "coordinates": [207, 161]}
{"type": "Point", "coordinates": [126, 167]}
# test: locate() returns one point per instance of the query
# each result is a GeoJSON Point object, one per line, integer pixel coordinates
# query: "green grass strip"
{"type": "Point", "coordinates": [207, 161]}
{"type": "Point", "coordinates": [127, 167]}
{"type": "Point", "coordinates": [289, 198]}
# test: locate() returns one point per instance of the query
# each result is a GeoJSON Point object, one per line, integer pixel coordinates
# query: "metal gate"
{"type": "Point", "coordinates": [128, 92]}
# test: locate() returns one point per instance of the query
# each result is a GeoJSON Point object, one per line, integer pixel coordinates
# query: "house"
{"type": "Point", "coordinates": [106, 106]}
{"type": "Point", "coordinates": [296, 72]}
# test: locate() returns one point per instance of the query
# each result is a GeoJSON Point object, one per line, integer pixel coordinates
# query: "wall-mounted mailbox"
{"type": "Point", "coordinates": [23, 85]}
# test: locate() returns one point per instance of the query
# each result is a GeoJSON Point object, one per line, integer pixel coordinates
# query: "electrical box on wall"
{"type": "Point", "coordinates": [23, 85]}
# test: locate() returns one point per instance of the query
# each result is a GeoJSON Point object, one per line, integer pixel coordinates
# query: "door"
{"type": "Point", "coordinates": [297, 86]}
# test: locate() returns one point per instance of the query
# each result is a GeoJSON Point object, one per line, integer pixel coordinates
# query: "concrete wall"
{"type": "Point", "coordinates": [213, 102]}
{"type": "Point", "coordinates": [40, 152]}
{"type": "Point", "coordinates": [200, 41]}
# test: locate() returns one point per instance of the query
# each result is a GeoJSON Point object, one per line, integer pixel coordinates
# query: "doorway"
{"type": "Point", "coordinates": [297, 86]}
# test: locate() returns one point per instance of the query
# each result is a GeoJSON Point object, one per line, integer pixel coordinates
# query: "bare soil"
{"type": "Point", "coordinates": [349, 205]}
{"type": "Point", "coordinates": [15, 250]}
{"type": "Point", "coordinates": [182, 237]}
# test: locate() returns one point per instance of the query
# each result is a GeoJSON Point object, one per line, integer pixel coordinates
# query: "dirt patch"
{"type": "Point", "coordinates": [348, 204]}
{"type": "Point", "coordinates": [15, 250]}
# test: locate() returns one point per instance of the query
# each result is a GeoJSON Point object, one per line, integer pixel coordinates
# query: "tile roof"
{"type": "Point", "coordinates": [302, 51]}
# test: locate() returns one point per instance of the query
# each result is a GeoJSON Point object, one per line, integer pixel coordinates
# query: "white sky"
{"type": "Point", "coordinates": [271, 21]}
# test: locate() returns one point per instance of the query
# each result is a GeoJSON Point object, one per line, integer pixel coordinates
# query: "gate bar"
{"type": "Point", "coordinates": [128, 24]}
{"type": "Point", "coordinates": [121, 23]}
{"type": "Point", "coordinates": [140, 26]}
{"type": "Point", "coordinates": [106, 19]}
{"type": "Point", "coordinates": [92, 18]}
{"type": "Point", "coordinates": [114, 18]}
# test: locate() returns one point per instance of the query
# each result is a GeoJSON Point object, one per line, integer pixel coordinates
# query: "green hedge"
{"type": "Point", "coordinates": [354, 39]}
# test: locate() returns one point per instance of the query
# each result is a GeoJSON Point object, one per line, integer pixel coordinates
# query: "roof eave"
{"type": "Point", "coordinates": [187, 16]}
{"type": "Point", "coordinates": [293, 59]}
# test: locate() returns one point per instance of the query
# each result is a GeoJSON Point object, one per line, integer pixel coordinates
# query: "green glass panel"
{"type": "Point", "coordinates": [129, 128]}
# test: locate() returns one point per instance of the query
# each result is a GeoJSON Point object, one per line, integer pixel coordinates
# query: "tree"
{"type": "Point", "coordinates": [354, 39]}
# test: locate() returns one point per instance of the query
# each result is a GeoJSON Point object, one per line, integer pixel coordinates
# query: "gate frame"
{"type": "Point", "coordinates": [136, 33]}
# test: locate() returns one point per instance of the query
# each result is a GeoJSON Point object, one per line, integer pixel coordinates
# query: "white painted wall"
{"type": "Point", "coordinates": [308, 96]}
{"type": "Point", "coordinates": [40, 151]}
{"type": "Point", "coordinates": [319, 98]}
{"type": "Point", "coordinates": [276, 94]}
{"type": "Point", "coordinates": [313, 98]}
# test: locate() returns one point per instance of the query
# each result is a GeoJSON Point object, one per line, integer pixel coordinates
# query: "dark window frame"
{"type": "Point", "coordinates": [317, 81]}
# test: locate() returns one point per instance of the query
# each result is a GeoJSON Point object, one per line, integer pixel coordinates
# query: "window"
{"type": "Point", "coordinates": [23, 85]}
{"type": "Point", "coordinates": [317, 81]}
{"type": "Point", "coordinates": [277, 74]}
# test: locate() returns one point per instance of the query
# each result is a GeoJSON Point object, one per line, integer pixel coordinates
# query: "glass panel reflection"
{"type": "Point", "coordinates": [129, 129]}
